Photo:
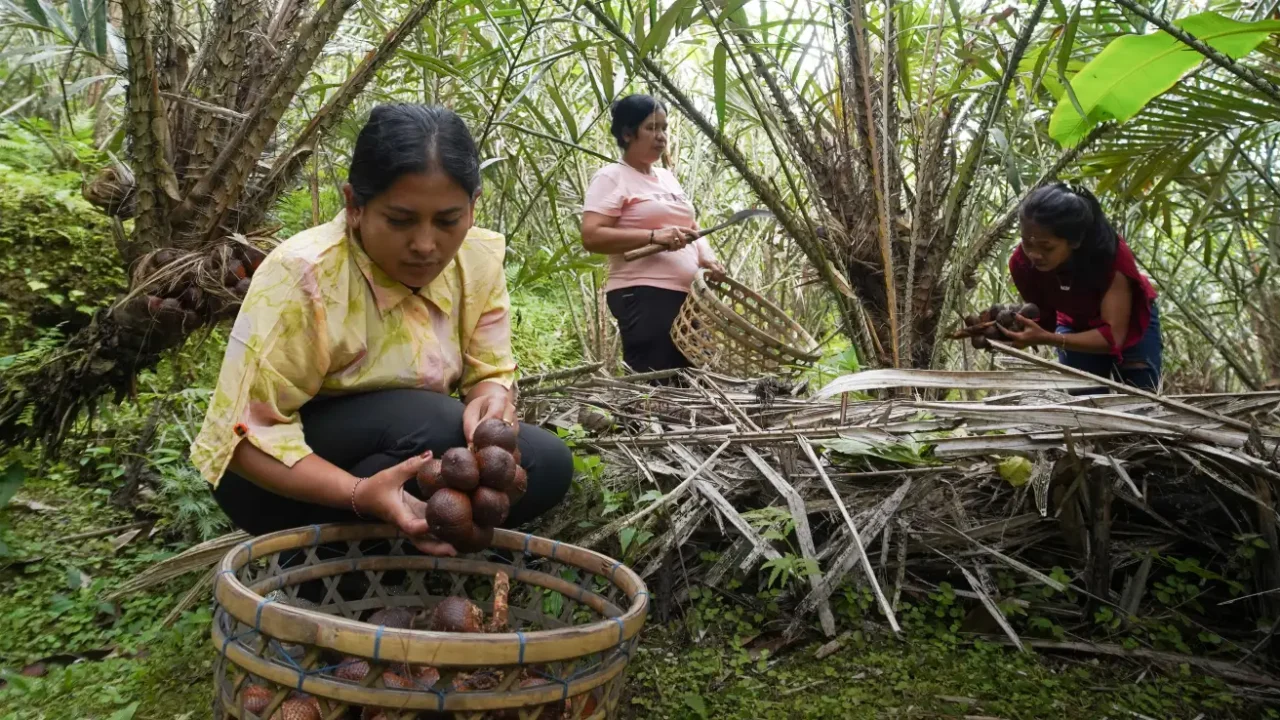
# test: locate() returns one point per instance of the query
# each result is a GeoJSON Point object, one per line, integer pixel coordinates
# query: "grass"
{"type": "Point", "coordinates": [51, 605]}
{"type": "Point", "coordinates": [883, 677]}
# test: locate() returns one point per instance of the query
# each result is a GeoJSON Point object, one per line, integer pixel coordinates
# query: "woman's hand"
{"type": "Point", "coordinates": [675, 238]}
{"type": "Point", "coordinates": [383, 496]}
{"type": "Point", "coordinates": [1031, 336]}
{"type": "Point", "coordinates": [486, 401]}
{"type": "Point", "coordinates": [714, 268]}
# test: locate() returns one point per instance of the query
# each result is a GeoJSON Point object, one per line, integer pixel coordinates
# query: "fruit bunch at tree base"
{"type": "Point", "coordinates": [177, 291]}
{"type": "Point", "coordinates": [982, 327]}
{"type": "Point", "coordinates": [470, 491]}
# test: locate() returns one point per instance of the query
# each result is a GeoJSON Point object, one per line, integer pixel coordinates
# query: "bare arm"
{"type": "Point", "coordinates": [1116, 304]}
{"type": "Point", "coordinates": [600, 234]}
{"type": "Point", "coordinates": [315, 480]}
{"type": "Point", "coordinates": [1115, 312]}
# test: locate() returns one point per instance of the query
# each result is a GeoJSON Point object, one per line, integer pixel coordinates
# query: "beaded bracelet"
{"type": "Point", "coordinates": [354, 509]}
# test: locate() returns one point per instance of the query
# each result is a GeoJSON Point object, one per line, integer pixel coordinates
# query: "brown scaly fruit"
{"type": "Point", "coordinates": [494, 433]}
{"type": "Point", "coordinates": [478, 681]}
{"type": "Point", "coordinates": [459, 470]}
{"type": "Point", "coordinates": [429, 479]}
{"type": "Point", "coordinates": [1006, 318]}
{"type": "Point", "coordinates": [473, 540]}
{"type": "Point", "coordinates": [518, 486]}
{"type": "Point", "coordinates": [489, 507]}
{"type": "Point", "coordinates": [449, 513]}
{"type": "Point", "coordinates": [497, 468]}
{"type": "Point", "coordinates": [392, 617]}
{"type": "Point", "coordinates": [352, 669]}
{"type": "Point", "coordinates": [550, 711]}
{"type": "Point", "coordinates": [298, 708]}
{"type": "Point", "coordinates": [256, 698]}
{"type": "Point", "coordinates": [457, 615]}
{"type": "Point", "coordinates": [1030, 311]}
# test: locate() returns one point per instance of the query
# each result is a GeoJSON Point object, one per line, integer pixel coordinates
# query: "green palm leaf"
{"type": "Point", "coordinates": [1134, 69]}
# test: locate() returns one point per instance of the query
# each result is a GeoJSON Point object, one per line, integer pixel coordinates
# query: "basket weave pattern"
{"type": "Point", "coordinates": [574, 616]}
{"type": "Point", "coordinates": [729, 328]}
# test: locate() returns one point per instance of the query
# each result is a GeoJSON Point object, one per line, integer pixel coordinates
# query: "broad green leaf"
{"type": "Point", "coordinates": [666, 23]}
{"type": "Point", "coordinates": [100, 27]}
{"type": "Point", "coordinates": [47, 15]}
{"type": "Point", "coordinates": [10, 481]}
{"type": "Point", "coordinates": [905, 452]}
{"type": "Point", "coordinates": [36, 10]}
{"type": "Point", "coordinates": [79, 21]}
{"type": "Point", "coordinates": [695, 703]}
{"type": "Point", "coordinates": [1015, 470]}
{"type": "Point", "coordinates": [125, 713]}
{"type": "Point", "coordinates": [1068, 42]}
{"type": "Point", "coordinates": [718, 76]}
{"type": "Point", "coordinates": [1134, 69]}
{"type": "Point", "coordinates": [606, 71]}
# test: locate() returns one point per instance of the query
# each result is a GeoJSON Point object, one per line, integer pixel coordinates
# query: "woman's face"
{"type": "Point", "coordinates": [649, 140]}
{"type": "Point", "coordinates": [414, 228]}
{"type": "Point", "coordinates": [1045, 250]}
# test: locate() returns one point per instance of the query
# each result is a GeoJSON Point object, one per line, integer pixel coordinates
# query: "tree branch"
{"type": "Point", "coordinates": [286, 168]}
{"type": "Point", "coordinates": [157, 186]}
{"type": "Point", "coordinates": [243, 149]}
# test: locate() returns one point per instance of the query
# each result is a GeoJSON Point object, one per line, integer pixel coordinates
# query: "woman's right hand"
{"type": "Point", "coordinates": [383, 496]}
{"type": "Point", "coordinates": [675, 238]}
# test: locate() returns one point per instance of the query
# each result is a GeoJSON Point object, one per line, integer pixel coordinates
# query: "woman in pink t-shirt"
{"type": "Point", "coordinates": [631, 204]}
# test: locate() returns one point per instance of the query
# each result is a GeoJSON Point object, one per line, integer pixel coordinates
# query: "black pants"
{"type": "Point", "coordinates": [645, 316]}
{"type": "Point", "coordinates": [366, 433]}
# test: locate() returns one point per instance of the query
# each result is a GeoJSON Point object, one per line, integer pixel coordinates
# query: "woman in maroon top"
{"type": "Point", "coordinates": [1096, 308]}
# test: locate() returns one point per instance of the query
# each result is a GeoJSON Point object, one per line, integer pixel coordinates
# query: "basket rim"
{"type": "Point", "coordinates": [296, 624]}
{"type": "Point", "coordinates": [703, 292]}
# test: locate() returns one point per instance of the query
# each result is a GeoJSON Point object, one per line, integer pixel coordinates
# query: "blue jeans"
{"type": "Point", "coordinates": [1149, 352]}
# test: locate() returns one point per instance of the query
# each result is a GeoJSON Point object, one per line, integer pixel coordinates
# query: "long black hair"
{"type": "Point", "coordinates": [1072, 213]}
{"type": "Point", "coordinates": [403, 139]}
{"type": "Point", "coordinates": [629, 113]}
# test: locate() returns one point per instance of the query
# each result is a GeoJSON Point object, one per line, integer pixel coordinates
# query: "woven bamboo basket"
{"type": "Point", "coordinates": [574, 620]}
{"type": "Point", "coordinates": [727, 327]}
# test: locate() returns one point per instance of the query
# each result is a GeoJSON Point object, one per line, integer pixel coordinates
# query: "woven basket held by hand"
{"type": "Point", "coordinates": [727, 327]}
{"type": "Point", "coordinates": [559, 652]}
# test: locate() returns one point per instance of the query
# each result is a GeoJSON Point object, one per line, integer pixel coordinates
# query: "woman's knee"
{"type": "Point", "coordinates": [421, 420]}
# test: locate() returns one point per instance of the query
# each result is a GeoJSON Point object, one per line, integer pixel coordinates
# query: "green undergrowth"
{"type": "Point", "coordinates": [58, 263]}
{"type": "Point", "coordinates": [884, 677]}
{"type": "Point", "coordinates": [718, 659]}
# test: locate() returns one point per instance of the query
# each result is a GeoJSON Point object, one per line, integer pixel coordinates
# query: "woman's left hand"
{"type": "Point", "coordinates": [1031, 336]}
{"type": "Point", "coordinates": [486, 406]}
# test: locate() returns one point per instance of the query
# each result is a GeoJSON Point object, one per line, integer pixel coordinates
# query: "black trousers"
{"type": "Point", "coordinates": [366, 433]}
{"type": "Point", "coordinates": [645, 316]}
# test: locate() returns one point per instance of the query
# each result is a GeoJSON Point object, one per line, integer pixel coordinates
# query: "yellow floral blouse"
{"type": "Point", "coordinates": [322, 318]}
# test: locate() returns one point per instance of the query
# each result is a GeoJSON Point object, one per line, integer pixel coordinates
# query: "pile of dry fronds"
{"type": "Point", "coordinates": [900, 494]}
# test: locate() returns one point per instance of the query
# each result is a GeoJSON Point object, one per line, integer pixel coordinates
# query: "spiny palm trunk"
{"type": "Point", "coordinates": [198, 213]}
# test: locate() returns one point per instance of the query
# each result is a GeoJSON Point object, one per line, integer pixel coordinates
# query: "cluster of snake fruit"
{"type": "Point", "coordinates": [470, 490]}
{"type": "Point", "coordinates": [985, 326]}
{"type": "Point", "coordinates": [453, 615]}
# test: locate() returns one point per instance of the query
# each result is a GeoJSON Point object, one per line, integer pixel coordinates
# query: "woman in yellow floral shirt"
{"type": "Point", "coordinates": [334, 388]}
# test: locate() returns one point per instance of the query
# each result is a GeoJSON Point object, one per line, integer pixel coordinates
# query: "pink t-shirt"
{"type": "Point", "coordinates": [648, 202]}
